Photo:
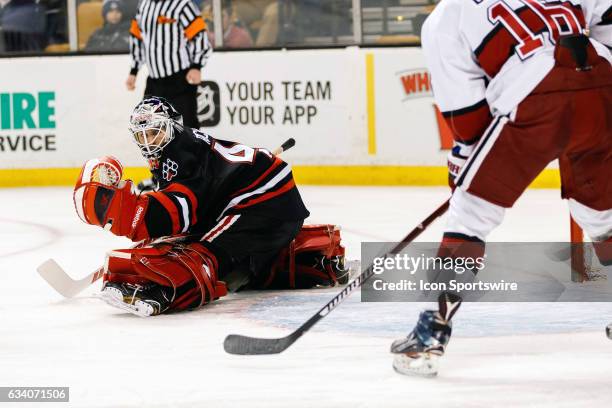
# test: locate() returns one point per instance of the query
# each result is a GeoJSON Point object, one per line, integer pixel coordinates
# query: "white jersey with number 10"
{"type": "Point", "coordinates": [495, 52]}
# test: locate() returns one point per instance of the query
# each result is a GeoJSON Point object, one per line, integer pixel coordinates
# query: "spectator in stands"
{"type": "Point", "coordinates": [23, 25]}
{"type": "Point", "coordinates": [274, 22]}
{"type": "Point", "coordinates": [268, 32]}
{"type": "Point", "coordinates": [57, 21]}
{"type": "Point", "coordinates": [114, 35]}
{"type": "Point", "coordinates": [234, 33]}
{"type": "Point", "coordinates": [260, 17]}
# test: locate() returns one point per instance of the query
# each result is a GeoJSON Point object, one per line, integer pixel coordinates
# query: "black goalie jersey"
{"type": "Point", "coordinates": [202, 179]}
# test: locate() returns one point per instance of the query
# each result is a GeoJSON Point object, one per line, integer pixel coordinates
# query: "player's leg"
{"type": "Point", "coordinates": [598, 226]}
{"type": "Point", "coordinates": [249, 243]}
{"type": "Point", "coordinates": [186, 103]}
{"type": "Point", "coordinates": [152, 87]}
{"type": "Point", "coordinates": [183, 96]}
{"type": "Point", "coordinates": [508, 157]}
{"type": "Point", "coordinates": [586, 169]}
{"type": "Point", "coordinates": [176, 275]}
{"type": "Point", "coordinates": [164, 276]}
{"type": "Point", "coordinates": [267, 253]}
{"type": "Point", "coordinates": [315, 257]}
{"type": "Point", "coordinates": [418, 353]}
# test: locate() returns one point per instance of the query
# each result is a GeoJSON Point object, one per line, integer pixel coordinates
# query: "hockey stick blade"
{"type": "Point", "coordinates": [245, 345]}
{"type": "Point", "coordinates": [64, 284]}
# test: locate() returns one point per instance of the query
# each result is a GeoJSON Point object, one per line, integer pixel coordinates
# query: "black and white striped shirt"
{"type": "Point", "coordinates": [169, 36]}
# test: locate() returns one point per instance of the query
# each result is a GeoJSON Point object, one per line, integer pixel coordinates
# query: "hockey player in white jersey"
{"type": "Point", "coordinates": [521, 83]}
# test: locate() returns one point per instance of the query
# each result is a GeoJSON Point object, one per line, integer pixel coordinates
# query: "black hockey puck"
{"type": "Point", "coordinates": [609, 331]}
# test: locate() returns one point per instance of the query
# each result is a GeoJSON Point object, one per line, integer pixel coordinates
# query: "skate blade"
{"type": "Point", "coordinates": [139, 309]}
{"type": "Point", "coordinates": [422, 366]}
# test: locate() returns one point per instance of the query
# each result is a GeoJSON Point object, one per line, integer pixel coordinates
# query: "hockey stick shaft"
{"type": "Point", "coordinates": [237, 344]}
{"type": "Point", "coordinates": [365, 275]}
{"type": "Point", "coordinates": [59, 280]}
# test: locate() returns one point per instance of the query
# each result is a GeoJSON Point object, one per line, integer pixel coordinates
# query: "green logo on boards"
{"type": "Point", "coordinates": [21, 110]}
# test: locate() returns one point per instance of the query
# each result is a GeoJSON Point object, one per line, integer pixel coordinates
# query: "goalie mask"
{"type": "Point", "coordinates": [152, 125]}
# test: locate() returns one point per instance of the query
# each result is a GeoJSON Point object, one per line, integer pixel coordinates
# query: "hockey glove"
{"type": "Point", "coordinates": [107, 201]}
{"type": "Point", "coordinates": [456, 159]}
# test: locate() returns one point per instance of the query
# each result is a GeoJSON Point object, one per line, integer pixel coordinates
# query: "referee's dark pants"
{"type": "Point", "coordinates": [181, 94]}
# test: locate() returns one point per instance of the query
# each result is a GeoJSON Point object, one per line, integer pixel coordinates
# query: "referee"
{"type": "Point", "coordinates": [170, 37]}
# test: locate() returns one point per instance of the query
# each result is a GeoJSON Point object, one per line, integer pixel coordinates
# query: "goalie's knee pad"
{"type": "Point", "coordinates": [315, 257]}
{"type": "Point", "coordinates": [190, 269]}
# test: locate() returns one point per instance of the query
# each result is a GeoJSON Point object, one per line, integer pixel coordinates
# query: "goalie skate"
{"type": "Point", "coordinates": [143, 301]}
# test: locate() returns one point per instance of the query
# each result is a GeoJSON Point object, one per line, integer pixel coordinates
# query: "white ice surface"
{"type": "Point", "coordinates": [536, 355]}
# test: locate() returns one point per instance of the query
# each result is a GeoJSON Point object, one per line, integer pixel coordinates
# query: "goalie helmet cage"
{"type": "Point", "coordinates": [585, 265]}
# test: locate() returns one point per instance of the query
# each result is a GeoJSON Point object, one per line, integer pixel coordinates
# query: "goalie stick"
{"type": "Point", "coordinates": [245, 345]}
{"type": "Point", "coordinates": [59, 280]}
{"type": "Point", "coordinates": [64, 284]}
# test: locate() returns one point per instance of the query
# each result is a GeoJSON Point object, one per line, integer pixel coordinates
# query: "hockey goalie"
{"type": "Point", "coordinates": [222, 216]}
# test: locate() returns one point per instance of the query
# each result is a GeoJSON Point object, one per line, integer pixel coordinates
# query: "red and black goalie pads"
{"type": "Point", "coordinates": [314, 258]}
{"type": "Point", "coordinates": [189, 268]}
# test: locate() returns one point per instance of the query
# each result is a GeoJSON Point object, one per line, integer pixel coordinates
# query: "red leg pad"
{"type": "Point", "coordinates": [170, 264]}
{"type": "Point", "coordinates": [294, 268]}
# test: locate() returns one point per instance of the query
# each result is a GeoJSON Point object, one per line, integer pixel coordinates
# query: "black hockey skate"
{"type": "Point", "coordinates": [418, 353]}
{"type": "Point", "coordinates": [142, 300]}
{"type": "Point", "coordinates": [336, 265]}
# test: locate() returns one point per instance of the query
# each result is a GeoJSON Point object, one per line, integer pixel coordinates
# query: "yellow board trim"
{"type": "Point", "coordinates": [313, 175]}
{"type": "Point", "coordinates": [394, 176]}
{"type": "Point", "coordinates": [56, 176]}
{"type": "Point", "coordinates": [371, 103]}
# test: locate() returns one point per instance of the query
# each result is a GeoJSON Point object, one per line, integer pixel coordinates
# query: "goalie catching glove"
{"type": "Point", "coordinates": [101, 198]}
